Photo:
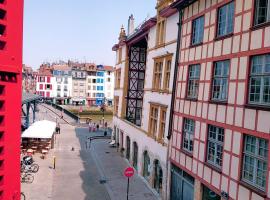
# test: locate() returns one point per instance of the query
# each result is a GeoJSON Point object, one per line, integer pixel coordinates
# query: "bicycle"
{"type": "Point", "coordinates": [22, 196]}
{"type": "Point", "coordinates": [27, 178]}
{"type": "Point", "coordinates": [32, 168]}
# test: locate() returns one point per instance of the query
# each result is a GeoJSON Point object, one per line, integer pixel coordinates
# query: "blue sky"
{"type": "Point", "coordinates": [83, 30]}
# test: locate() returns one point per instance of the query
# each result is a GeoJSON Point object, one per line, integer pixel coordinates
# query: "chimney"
{"type": "Point", "coordinates": [130, 24]}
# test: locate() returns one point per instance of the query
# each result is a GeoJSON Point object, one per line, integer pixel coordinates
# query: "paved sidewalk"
{"type": "Point", "coordinates": [79, 170]}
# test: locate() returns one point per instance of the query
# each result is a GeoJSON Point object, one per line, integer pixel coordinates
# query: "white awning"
{"type": "Point", "coordinates": [40, 129]}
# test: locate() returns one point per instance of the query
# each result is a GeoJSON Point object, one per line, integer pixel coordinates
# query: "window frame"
{"type": "Point", "coordinates": [158, 74]}
{"type": "Point", "coordinates": [189, 78]}
{"type": "Point", "coordinates": [153, 121]}
{"type": "Point", "coordinates": [189, 133]}
{"type": "Point", "coordinates": [167, 73]}
{"type": "Point", "coordinates": [162, 123]}
{"type": "Point", "coordinates": [216, 144]}
{"type": "Point", "coordinates": [160, 31]}
{"type": "Point", "coordinates": [256, 9]}
{"type": "Point", "coordinates": [193, 43]}
{"type": "Point", "coordinates": [256, 157]}
{"type": "Point", "coordinates": [261, 75]}
{"type": "Point", "coordinates": [219, 35]}
{"type": "Point", "coordinates": [222, 76]}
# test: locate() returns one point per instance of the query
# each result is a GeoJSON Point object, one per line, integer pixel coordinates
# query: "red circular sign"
{"type": "Point", "coordinates": [129, 172]}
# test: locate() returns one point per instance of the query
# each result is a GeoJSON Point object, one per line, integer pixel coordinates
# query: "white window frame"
{"type": "Point", "coordinates": [224, 78]}
{"type": "Point", "coordinates": [193, 78]}
{"type": "Point", "coordinates": [261, 75]}
{"type": "Point", "coordinates": [227, 24]}
{"type": "Point", "coordinates": [256, 157]}
{"type": "Point", "coordinates": [188, 135]}
{"type": "Point", "coordinates": [257, 11]}
{"type": "Point", "coordinates": [217, 144]}
{"type": "Point", "coordinates": [197, 30]}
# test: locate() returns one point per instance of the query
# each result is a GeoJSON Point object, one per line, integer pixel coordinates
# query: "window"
{"type": "Point", "coordinates": [162, 123]}
{"type": "Point", "coordinates": [215, 145]}
{"type": "Point", "coordinates": [193, 81]}
{"type": "Point", "coordinates": [160, 31]}
{"type": "Point", "coordinates": [153, 120]}
{"type": "Point", "coordinates": [220, 81]}
{"type": "Point", "coordinates": [157, 74]}
{"type": "Point", "coordinates": [166, 83]}
{"type": "Point", "coordinates": [41, 86]}
{"type": "Point", "coordinates": [225, 19]}
{"type": "Point", "coordinates": [94, 80]}
{"type": "Point", "coordinates": [108, 79]}
{"type": "Point", "coordinates": [94, 87]}
{"type": "Point", "coordinates": [188, 134]}
{"type": "Point", "coordinates": [259, 86]}
{"type": "Point", "coordinates": [197, 30]}
{"type": "Point", "coordinates": [262, 11]}
{"type": "Point", "coordinates": [254, 169]}
{"type": "Point", "coordinates": [58, 87]}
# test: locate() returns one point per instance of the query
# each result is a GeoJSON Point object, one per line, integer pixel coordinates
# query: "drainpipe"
{"type": "Point", "coordinates": [177, 57]}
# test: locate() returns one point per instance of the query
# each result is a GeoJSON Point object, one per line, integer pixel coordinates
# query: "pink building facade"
{"type": "Point", "coordinates": [221, 122]}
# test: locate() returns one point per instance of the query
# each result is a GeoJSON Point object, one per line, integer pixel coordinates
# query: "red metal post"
{"type": "Point", "coordinates": [11, 36]}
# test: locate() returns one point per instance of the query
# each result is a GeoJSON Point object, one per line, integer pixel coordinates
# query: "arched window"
{"type": "Point", "coordinates": [135, 155]}
{"type": "Point", "coordinates": [128, 147]}
{"type": "Point", "coordinates": [146, 165]}
{"type": "Point", "coordinates": [158, 176]}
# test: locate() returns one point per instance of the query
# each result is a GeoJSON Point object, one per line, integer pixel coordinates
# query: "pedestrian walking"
{"type": "Point", "coordinates": [97, 127]}
{"type": "Point", "coordinates": [58, 128]}
{"type": "Point", "coordinates": [90, 126]}
{"type": "Point", "coordinates": [94, 127]}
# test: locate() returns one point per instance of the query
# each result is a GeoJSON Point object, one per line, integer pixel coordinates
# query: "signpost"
{"type": "Point", "coordinates": [129, 172]}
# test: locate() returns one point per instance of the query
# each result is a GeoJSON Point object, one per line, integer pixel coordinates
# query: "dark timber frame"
{"type": "Point", "coordinates": [136, 76]}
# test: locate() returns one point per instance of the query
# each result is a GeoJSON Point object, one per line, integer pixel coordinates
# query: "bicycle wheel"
{"type": "Point", "coordinates": [22, 168]}
{"type": "Point", "coordinates": [34, 168]}
{"type": "Point", "coordinates": [22, 196]}
{"type": "Point", "coordinates": [29, 178]}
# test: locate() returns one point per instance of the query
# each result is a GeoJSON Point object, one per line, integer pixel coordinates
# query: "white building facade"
{"type": "Point", "coordinates": [62, 85]}
{"type": "Point", "coordinates": [143, 91]}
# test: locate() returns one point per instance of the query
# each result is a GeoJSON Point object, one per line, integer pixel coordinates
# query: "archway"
{"type": "Point", "coordinates": [135, 155]}
{"type": "Point", "coordinates": [158, 176]}
{"type": "Point", "coordinates": [128, 147]}
{"type": "Point", "coordinates": [146, 165]}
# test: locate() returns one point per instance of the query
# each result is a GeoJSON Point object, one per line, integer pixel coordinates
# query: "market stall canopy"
{"type": "Point", "coordinates": [41, 129]}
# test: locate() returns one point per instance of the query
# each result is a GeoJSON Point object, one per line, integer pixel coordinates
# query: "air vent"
{"type": "Point", "coordinates": [2, 29]}
{"type": "Point", "coordinates": [1, 121]}
{"type": "Point", "coordinates": [2, 107]}
{"type": "Point", "coordinates": [2, 45]}
{"type": "Point", "coordinates": [2, 14]}
{"type": "Point", "coordinates": [2, 90]}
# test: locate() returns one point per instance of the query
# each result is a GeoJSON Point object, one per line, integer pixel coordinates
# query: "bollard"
{"type": "Point", "coordinates": [54, 162]}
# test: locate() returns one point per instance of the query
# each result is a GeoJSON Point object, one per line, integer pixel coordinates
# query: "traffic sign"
{"type": "Point", "coordinates": [129, 172]}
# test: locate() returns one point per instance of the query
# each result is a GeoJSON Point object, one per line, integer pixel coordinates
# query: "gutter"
{"type": "Point", "coordinates": [175, 72]}
{"type": "Point", "coordinates": [180, 10]}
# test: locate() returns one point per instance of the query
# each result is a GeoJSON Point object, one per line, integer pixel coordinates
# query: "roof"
{"type": "Point", "coordinates": [28, 97]}
{"type": "Point", "coordinates": [61, 67]}
{"type": "Point", "coordinates": [108, 68]}
{"type": "Point", "coordinates": [40, 129]}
